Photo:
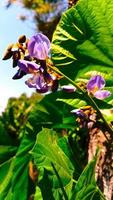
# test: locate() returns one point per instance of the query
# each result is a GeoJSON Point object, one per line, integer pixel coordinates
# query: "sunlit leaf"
{"type": "Point", "coordinates": [38, 195]}
{"type": "Point", "coordinates": [86, 187]}
{"type": "Point", "coordinates": [20, 179]}
{"type": "Point", "coordinates": [82, 43]}
{"type": "Point", "coordinates": [45, 152]}
{"type": "Point", "coordinates": [6, 182]}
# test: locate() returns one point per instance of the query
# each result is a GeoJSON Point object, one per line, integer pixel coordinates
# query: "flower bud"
{"type": "Point", "coordinates": [22, 39]}
{"type": "Point", "coordinates": [15, 63]}
{"type": "Point", "coordinates": [16, 55]}
{"type": "Point", "coordinates": [7, 55]}
{"type": "Point", "coordinates": [9, 48]}
{"type": "Point", "coordinates": [54, 86]}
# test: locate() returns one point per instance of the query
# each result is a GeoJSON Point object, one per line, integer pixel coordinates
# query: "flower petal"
{"type": "Point", "coordinates": [19, 74]}
{"type": "Point", "coordinates": [38, 82]}
{"type": "Point", "coordinates": [95, 83]}
{"type": "Point", "coordinates": [31, 82]}
{"type": "Point", "coordinates": [39, 46]}
{"type": "Point", "coordinates": [78, 112]}
{"type": "Point", "coordinates": [68, 88]}
{"type": "Point", "coordinates": [102, 94]}
{"type": "Point", "coordinates": [28, 66]}
{"type": "Point", "coordinates": [41, 85]}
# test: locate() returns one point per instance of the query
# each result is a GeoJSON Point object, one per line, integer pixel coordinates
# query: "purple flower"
{"type": "Point", "coordinates": [38, 82]}
{"type": "Point", "coordinates": [68, 88]}
{"type": "Point", "coordinates": [78, 112]}
{"type": "Point", "coordinates": [39, 46]}
{"type": "Point", "coordinates": [42, 82]}
{"type": "Point", "coordinates": [27, 66]}
{"type": "Point", "coordinates": [95, 86]}
{"type": "Point", "coordinates": [86, 116]}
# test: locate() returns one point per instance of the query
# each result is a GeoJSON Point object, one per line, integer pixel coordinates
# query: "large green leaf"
{"type": "Point", "coordinates": [20, 179]}
{"type": "Point", "coordinates": [64, 144]}
{"type": "Point", "coordinates": [89, 192]}
{"type": "Point", "coordinates": [45, 152]}
{"type": "Point", "coordinates": [14, 173]}
{"type": "Point", "coordinates": [83, 41]}
{"type": "Point", "coordinates": [50, 113]}
{"type": "Point", "coordinates": [88, 176]}
{"type": "Point", "coordinates": [86, 187]}
{"type": "Point", "coordinates": [4, 168]}
{"type": "Point", "coordinates": [75, 100]}
{"type": "Point", "coordinates": [6, 172]}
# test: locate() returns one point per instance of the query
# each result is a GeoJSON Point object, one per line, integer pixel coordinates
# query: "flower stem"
{"type": "Point", "coordinates": [88, 98]}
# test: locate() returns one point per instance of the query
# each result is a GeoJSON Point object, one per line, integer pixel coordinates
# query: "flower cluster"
{"type": "Point", "coordinates": [86, 116]}
{"type": "Point", "coordinates": [31, 56]}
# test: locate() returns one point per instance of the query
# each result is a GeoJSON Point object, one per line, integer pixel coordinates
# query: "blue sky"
{"type": "Point", "coordinates": [10, 29]}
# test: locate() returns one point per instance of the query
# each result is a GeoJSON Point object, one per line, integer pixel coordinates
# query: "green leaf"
{"type": "Point", "coordinates": [14, 173]}
{"type": "Point", "coordinates": [88, 176]}
{"type": "Point", "coordinates": [6, 152]}
{"type": "Point", "coordinates": [50, 113]}
{"type": "Point", "coordinates": [5, 138]}
{"type": "Point", "coordinates": [38, 195]}
{"type": "Point", "coordinates": [45, 152]}
{"type": "Point", "coordinates": [90, 192]}
{"type": "Point", "coordinates": [66, 147]}
{"type": "Point", "coordinates": [20, 179]}
{"type": "Point", "coordinates": [76, 103]}
{"type": "Point", "coordinates": [82, 44]}
{"type": "Point", "coordinates": [108, 115]}
{"type": "Point", "coordinates": [6, 182]}
{"type": "Point", "coordinates": [86, 187]}
{"type": "Point", "coordinates": [43, 113]}
{"type": "Point", "coordinates": [9, 195]}
{"type": "Point", "coordinates": [4, 168]}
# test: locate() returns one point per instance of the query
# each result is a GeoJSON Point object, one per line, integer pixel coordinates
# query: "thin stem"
{"type": "Point", "coordinates": [74, 181]}
{"type": "Point", "coordinates": [88, 97]}
{"type": "Point", "coordinates": [60, 182]}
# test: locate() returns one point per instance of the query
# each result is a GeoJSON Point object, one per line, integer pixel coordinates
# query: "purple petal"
{"type": "Point", "coordinates": [75, 111]}
{"type": "Point", "coordinates": [39, 46]}
{"type": "Point", "coordinates": [38, 82]}
{"type": "Point", "coordinates": [31, 82]}
{"type": "Point", "coordinates": [90, 125]}
{"type": "Point", "coordinates": [19, 74]}
{"type": "Point", "coordinates": [48, 77]}
{"type": "Point", "coordinates": [78, 112]}
{"type": "Point", "coordinates": [68, 88]}
{"type": "Point", "coordinates": [41, 85]}
{"type": "Point", "coordinates": [102, 94]}
{"type": "Point", "coordinates": [95, 83]}
{"type": "Point", "coordinates": [27, 66]}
